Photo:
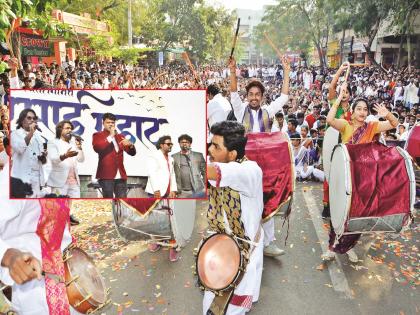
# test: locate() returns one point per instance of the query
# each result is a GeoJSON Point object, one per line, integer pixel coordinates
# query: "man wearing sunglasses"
{"type": "Point", "coordinates": [161, 182]}
{"type": "Point", "coordinates": [28, 152]}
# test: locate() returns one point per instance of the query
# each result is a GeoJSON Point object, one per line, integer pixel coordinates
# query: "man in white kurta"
{"type": "Point", "coordinates": [65, 153]}
{"type": "Point", "coordinates": [18, 226]}
{"type": "Point", "coordinates": [245, 178]}
{"type": "Point", "coordinates": [257, 119]}
{"type": "Point", "coordinates": [27, 165]}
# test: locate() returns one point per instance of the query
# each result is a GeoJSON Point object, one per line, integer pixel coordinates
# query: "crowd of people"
{"type": "Point", "coordinates": [304, 114]}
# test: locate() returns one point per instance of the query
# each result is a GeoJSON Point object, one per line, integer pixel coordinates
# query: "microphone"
{"type": "Point", "coordinates": [76, 136]}
{"type": "Point", "coordinates": [37, 128]}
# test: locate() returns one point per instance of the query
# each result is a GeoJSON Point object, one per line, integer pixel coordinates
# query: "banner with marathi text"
{"type": "Point", "coordinates": [142, 116]}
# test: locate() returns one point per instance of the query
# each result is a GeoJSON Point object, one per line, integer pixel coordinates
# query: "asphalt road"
{"type": "Point", "coordinates": [384, 281]}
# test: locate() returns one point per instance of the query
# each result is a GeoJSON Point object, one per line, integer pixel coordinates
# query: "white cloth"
{"type": "Point", "coordinates": [269, 231]}
{"type": "Point", "coordinates": [239, 108]}
{"type": "Point", "coordinates": [18, 230]}
{"type": "Point", "coordinates": [25, 157]}
{"type": "Point", "coordinates": [246, 178]}
{"type": "Point", "coordinates": [159, 174]}
{"type": "Point", "coordinates": [117, 149]}
{"type": "Point", "coordinates": [218, 109]}
{"type": "Point", "coordinates": [307, 80]}
{"type": "Point", "coordinates": [60, 169]}
{"type": "Point", "coordinates": [410, 94]}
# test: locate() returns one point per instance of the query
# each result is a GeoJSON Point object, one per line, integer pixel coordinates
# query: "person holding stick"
{"type": "Point", "coordinates": [256, 119]}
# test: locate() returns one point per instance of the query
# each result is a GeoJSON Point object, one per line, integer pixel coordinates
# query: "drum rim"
{"type": "Point", "coordinates": [92, 301]}
{"type": "Point", "coordinates": [238, 273]}
{"type": "Point", "coordinates": [348, 187]}
{"type": "Point", "coordinates": [409, 135]}
{"type": "Point", "coordinates": [327, 170]}
{"type": "Point", "coordinates": [410, 174]}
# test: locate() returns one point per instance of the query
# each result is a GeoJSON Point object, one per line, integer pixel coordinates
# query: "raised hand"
{"type": "Point", "coordinates": [381, 110]}
{"type": "Point", "coordinates": [285, 63]}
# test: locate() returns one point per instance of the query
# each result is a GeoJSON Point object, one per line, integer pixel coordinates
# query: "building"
{"type": "Point", "coordinates": [249, 20]}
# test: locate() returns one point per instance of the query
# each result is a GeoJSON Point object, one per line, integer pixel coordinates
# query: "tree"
{"type": "Point", "coordinates": [313, 15]}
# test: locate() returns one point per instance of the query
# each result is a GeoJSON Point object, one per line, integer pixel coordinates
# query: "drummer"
{"type": "Point", "coordinates": [354, 132]}
{"type": "Point", "coordinates": [24, 255]}
{"type": "Point", "coordinates": [234, 178]}
{"type": "Point", "coordinates": [256, 119]}
{"type": "Point", "coordinates": [342, 112]}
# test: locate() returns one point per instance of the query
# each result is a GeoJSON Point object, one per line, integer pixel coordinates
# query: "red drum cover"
{"type": "Point", "coordinates": [413, 142]}
{"type": "Point", "coordinates": [272, 154]}
{"type": "Point", "coordinates": [380, 183]}
{"type": "Point", "coordinates": [143, 206]}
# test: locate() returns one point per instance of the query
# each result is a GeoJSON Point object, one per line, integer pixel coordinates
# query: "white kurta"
{"type": "Point", "coordinates": [246, 178]}
{"type": "Point", "coordinates": [18, 225]}
{"type": "Point", "coordinates": [26, 165]}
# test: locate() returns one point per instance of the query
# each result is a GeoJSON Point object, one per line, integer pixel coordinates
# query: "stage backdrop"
{"type": "Point", "coordinates": [142, 115]}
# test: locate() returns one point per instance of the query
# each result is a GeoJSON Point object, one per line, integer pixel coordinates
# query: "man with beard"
{"type": "Point", "coordinates": [256, 119]}
{"type": "Point", "coordinates": [190, 170]}
{"type": "Point", "coordinates": [235, 208]}
{"type": "Point", "coordinates": [65, 153]}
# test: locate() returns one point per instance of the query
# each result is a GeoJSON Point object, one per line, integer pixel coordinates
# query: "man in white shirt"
{"type": "Point", "coordinates": [29, 152]}
{"type": "Point", "coordinates": [218, 107]}
{"type": "Point", "coordinates": [161, 181]}
{"type": "Point", "coordinates": [23, 253]}
{"type": "Point", "coordinates": [256, 119]}
{"type": "Point", "coordinates": [64, 153]}
{"type": "Point", "coordinates": [238, 181]}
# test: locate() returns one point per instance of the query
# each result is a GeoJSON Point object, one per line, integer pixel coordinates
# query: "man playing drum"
{"type": "Point", "coordinates": [33, 234]}
{"type": "Point", "coordinates": [256, 119]}
{"type": "Point", "coordinates": [355, 132]}
{"type": "Point", "coordinates": [235, 207]}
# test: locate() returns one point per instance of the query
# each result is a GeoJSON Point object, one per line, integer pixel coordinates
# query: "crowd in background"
{"type": "Point", "coordinates": [305, 112]}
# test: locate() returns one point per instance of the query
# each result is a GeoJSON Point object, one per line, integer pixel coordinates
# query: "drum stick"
{"type": "Point", "coordinates": [270, 42]}
{"type": "Point", "coordinates": [235, 38]}
{"type": "Point", "coordinates": [347, 74]}
{"type": "Point", "coordinates": [191, 66]}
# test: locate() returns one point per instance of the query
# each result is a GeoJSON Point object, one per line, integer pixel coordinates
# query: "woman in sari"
{"type": "Point", "coordinates": [355, 132]}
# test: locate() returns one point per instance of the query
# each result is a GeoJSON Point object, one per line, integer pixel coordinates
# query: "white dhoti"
{"type": "Point", "coordinates": [245, 178]}
{"type": "Point", "coordinates": [269, 231]}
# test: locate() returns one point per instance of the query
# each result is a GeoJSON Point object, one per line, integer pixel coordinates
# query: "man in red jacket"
{"type": "Point", "coordinates": [110, 146]}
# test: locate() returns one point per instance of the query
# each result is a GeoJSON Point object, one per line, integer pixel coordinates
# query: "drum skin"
{"type": "Point", "coordinates": [81, 265]}
{"type": "Point", "coordinates": [272, 152]}
{"type": "Point", "coordinates": [330, 141]}
{"type": "Point", "coordinates": [218, 262]}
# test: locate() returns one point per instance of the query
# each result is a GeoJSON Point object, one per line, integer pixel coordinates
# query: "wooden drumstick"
{"type": "Point", "coordinates": [347, 73]}
{"type": "Point", "coordinates": [270, 42]}
{"type": "Point", "coordinates": [191, 66]}
{"type": "Point", "coordinates": [235, 38]}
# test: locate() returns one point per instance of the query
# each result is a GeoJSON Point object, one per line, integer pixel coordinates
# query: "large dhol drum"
{"type": "Point", "coordinates": [273, 153]}
{"type": "Point", "coordinates": [372, 188]}
{"type": "Point", "coordinates": [86, 289]}
{"type": "Point", "coordinates": [154, 221]}
{"type": "Point", "coordinates": [331, 139]}
{"type": "Point", "coordinates": [412, 145]}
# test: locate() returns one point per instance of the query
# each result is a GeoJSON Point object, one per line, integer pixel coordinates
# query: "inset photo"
{"type": "Point", "coordinates": [108, 144]}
